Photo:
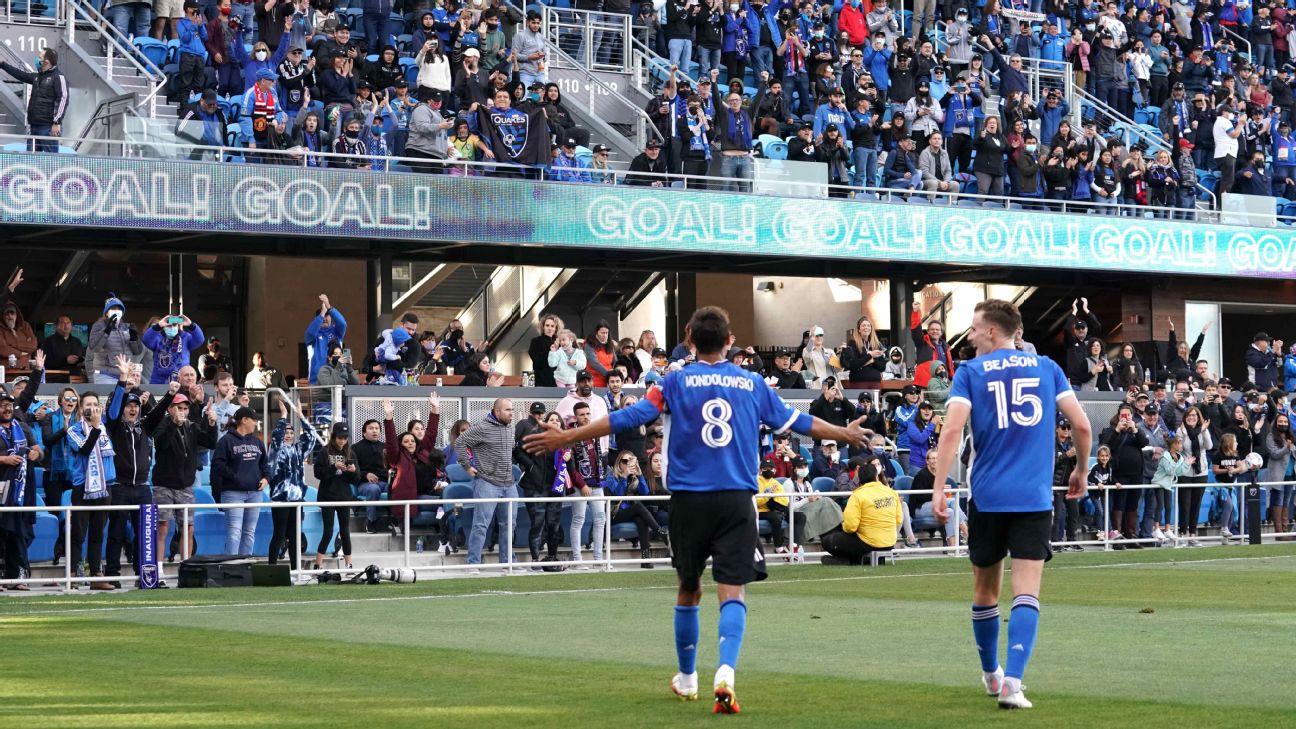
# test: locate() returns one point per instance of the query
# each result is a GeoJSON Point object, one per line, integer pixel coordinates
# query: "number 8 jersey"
{"type": "Point", "coordinates": [1013, 396]}
{"type": "Point", "coordinates": [713, 434]}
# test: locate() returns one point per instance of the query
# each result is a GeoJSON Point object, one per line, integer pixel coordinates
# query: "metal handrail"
{"type": "Point", "coordinates": [29, 19]}
{"type": "Point", "coordinates": [589, 23]}
{"type": "Point", "coordinates": [1239, 40]}
{"type": "Point", "coordinates": [121, 44]}
{"type": "Point", "coordinates": [699, 182]}
{"type": "Point", "coordinates": [644, 128]}
{"type": "Point", "coordinates": [654, 60]}
{"type": "Point", "coordinates": [17, 60]}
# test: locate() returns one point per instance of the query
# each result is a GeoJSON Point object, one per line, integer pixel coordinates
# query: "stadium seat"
{"type": "Point", "coordinates": [154, 50]}
{"type": "Point", "coordinates": [457, 474]}
{"type": "Point", "coordinates": [776, 150]}
{"type": "Point", "coordinates": [47, 534]}
{"type": "Point", "coordinates": [459, 490]}
{"type": "Point", "coordinates": [896, 465]}
{"type": "Point", "coordinates": [903, 483]}
{"type": "Point", "coordinates": [823, 483]}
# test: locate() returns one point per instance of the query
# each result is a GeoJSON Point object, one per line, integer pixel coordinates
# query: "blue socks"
{"type": "Point", "coordinates": [1023, 624]}
{"type": "Point", "coordinates": [686, 638]}
{"type": "Point", "coordinates": [985, 628]}
{"type": "Point", "coordinates": [733, 622]}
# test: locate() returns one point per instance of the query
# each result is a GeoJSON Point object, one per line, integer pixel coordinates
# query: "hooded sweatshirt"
{"type": "Point", "coordinates": [171, 353]}
{"type": "Point", "coordinates": [240, 462]}
{"type": "Point", "coordinates": [19, 341]}
{"type": "Point", "coordinates": [318, 337]}
{"type": "Point", "coordinates": [388, 354]}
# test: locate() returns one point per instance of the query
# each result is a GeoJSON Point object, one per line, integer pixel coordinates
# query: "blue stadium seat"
{"type": "Point", "coordinates": [457, 474]}
{"type": "Point", "coordinates": [411, 75]}
{"type": "Point", "coordinates": [823, 483]}
{"type": "Point", "coordinates": [173, 51]}
{"type": "Point", "coordinates": [776, 150]}
{"type": "Point", "coordinates": [47, 534]}
{"type": "Point", "coordinates": [459, 490]}
{"type": "Point", "coordinates": [152, 49]}
{"type": "Point", "coordinates": [903, 483]}
{"type": "Point", "coordinates": [896, 466]}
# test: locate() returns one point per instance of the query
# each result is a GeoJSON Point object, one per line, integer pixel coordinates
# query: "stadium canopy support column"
{"type": "Point", "coordinates": [681, 300]}
{"type": "Point", "coordinates": [901, 305]}
{"type": "Point", "coordinates": [379, 295]}
{"type": "Point", "coordinates": [175, 283]}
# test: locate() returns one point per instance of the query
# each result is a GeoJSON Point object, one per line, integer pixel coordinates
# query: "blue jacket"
{"type": "Point", "coordinates": [252, 65]}
{"type": "Point", "coordinates": [570, 169]}
{"type": "Point", "coordinates": [616, 486]}
{"type": "Point", "coordinates": [918, 439]}
{"type": "Point", "coordinates": [1289, 373]}
{"type": "Point", "coordinates": [960, 111]}
{"type": "Point", "coordinates": [1051, 119]}
{"type": "Point", "coordinates": [249, 100]}
{"type": "Point", "coordinates": [240, 462]}
{"type": "Point", "coordinates": [1052, 48]}
{"type": "Point", "coordinates": [841, 118]}
{"type": "Point", "coordinates": [192, 37]}
{"type": "Point", "coordinates": [736, 29]}
{"type": "Point", "coordinates": [877, 63]}
{"type": "Point", "coordinates": [1284, 150]}
{"type": "Point", "coordinates": [318, 337]}
{"type": "Point", "coordinates": [171, 354]}
{"type": "Point", "coordinates": [771, 21]}
{"type": "Point", "coordinates": [78, 462]}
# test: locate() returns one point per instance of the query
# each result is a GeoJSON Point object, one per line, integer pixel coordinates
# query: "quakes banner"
{"type": "Point", "coordinates": [252, 199]}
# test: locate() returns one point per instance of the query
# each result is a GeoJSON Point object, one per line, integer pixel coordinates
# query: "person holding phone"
{"type": "Point", "coordinates": [171, 340]}
{"type": "Point", "coordinates": [626, 479]}
{"type": "Point", "coordinates": [336, 469]}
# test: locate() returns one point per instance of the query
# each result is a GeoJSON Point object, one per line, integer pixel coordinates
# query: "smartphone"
{"type": "Point", "coordinates": [346, 354]}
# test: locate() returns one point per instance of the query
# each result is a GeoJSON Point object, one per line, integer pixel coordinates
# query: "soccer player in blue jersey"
{"type": "Point", "coordinates": [1012, 399]}
{"type": "Point", "coordinates": [715, 411]}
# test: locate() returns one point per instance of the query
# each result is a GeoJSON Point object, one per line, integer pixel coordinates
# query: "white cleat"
{"type": "Point", "coordinates": [685, 686]}
{"type": "Point", "coordinates": [993, 682]}
{"type": "Point", "coordinates": [1009, 699]}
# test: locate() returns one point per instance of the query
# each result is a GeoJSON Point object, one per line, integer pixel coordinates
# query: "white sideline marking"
{"type": "Point", "coordinates": [591, 590]}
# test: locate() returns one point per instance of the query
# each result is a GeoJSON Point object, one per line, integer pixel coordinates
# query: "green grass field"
{"type": "Point", "coordinates": [1187, 638]}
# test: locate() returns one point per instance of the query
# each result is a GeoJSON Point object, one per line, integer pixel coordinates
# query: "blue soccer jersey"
{"type": "Point", "coordinates": [1013, 396]}
{"type": "Point", "coordinates": [713, 436]}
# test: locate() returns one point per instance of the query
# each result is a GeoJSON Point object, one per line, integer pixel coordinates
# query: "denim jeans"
{"type": "Point", "coordinates": [529, 78]}
{"type": "Point", "coordinates": [1263, 56]}
{"type": "Point", "coordinates": [708, 58]}
{"type": "Point", "coordinates": [924, 521]}
{"type": "Point", "coordinates": [371, 492]}
{"type": "Point", "coordinates": [800, 83]}
{"type": "Point", "coordinates": [42, 145]}
{"type": "Point", "coordinates": [865, 161]}
{"type": "Point", "coordinates": [240, 524]}
{"type": "Point", "coordinates": [375, 30]}
{"type": "Point", "coordinates": [762, 58]}
{"type": "Point", "coordinates": [681, 52]}
{"type": "Point", "coordinates": [599, 510]}
{"type": "Point", "coordinates": [482, 513]}
{"type": "Point", "coordinates": [246, 14]}
{"type": "Point", "coordinates": [737, 168]}
{"type": "Point", "coordinates": [132, 19]}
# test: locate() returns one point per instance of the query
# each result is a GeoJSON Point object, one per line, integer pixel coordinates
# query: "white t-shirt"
{"type": "Point", "coordinates": [1225, 146]}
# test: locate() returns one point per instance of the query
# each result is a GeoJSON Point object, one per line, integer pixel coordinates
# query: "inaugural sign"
{"type": "Point", "coordinates": [250, 199]}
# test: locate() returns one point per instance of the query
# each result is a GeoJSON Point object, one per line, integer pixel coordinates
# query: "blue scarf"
{"type": "Point", "coordinates": [562, 479]}
{"type": "Point", "coordinates": [96, 472]}
{"type": "Point", "coordinates": [14, 443]}
{"type": "Point", "coordinates": [739, 133]}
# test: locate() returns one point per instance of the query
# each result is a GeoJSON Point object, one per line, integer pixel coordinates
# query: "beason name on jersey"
{"type": "Point", "coordinates": [1013, 396]}
{"type": "Point", "coordinates": [715, 413]}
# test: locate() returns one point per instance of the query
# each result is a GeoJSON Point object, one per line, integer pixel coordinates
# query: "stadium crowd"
{"type": "Point", "coordinates": [1179, 426]}
{"type": "Point", "coordinates": [929, 102]}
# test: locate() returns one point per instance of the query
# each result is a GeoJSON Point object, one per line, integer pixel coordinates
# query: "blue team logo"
{"type": "Point", "coordinates": [148, 576]}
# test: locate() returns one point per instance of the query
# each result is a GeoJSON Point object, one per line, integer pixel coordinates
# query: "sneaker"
{"type": "Point", "coordinates": [725, 700]}
{"type": "Point", "coordinates": [993, 682]}
{"type": "Point", "coordinates": [1013, 699]}
{"type": "Point", "coordinates": [371, 527]}
{"type": "Point", "coordinates": [685, 687]}
{"type": "Point", "coordinates": [1159, 536]}
{"type": "Point", "coordinates": [1113, 535]}
{"type": "Point", "coordinates": [1074, 548]}
{"type": "Point", "coordinates": [1225, 533]}
{"type": "Point", "coordinates": [1194, 543]}
{"type": "Point", "coordinates": [474, 572]}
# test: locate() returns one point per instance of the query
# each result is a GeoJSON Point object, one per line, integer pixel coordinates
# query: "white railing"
{"type": "Point", "coordinates": [26, 17]}
{"type": "Point", "coordinates": [117, 45]}
{"type": "Point", "coordinates": [507, 550]}
{"type": "Point", "coordinates": [592, 29]}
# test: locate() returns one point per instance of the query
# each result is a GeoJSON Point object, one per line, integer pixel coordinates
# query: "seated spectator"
{"type": "Point", "coordinates": [937, 172]}
{"type": "Point", "coordinates": [902, 171]}
{"type": "Point", "coordinates": [203, 124]}
{"type": "Point", "coordinates": [567, 167]}
{"type": "Point", "coordinates": [16, 336]}
{"type": "Point", "coordinates": [802, 148]}
{"type": "Point", "coordinates": [826, 461]}
{"type": "Point", "coordinates": [772, 509]}
{"type": "Point", "coordinates": [920, 509]}
{"type": "Point", "coordinates": [648, 168]}
{"type": "Point", "coordinates": [833, 153]}
{"type": "Point", "coordinates": [63, 351]}
{"type": "Point", "coordinates": [872, 516]}
{"type": "Point", "coordinates": [1255, 179]}
{"type": "Point", "coordinates": [214, 359]}
{"type": "Point", "coordinates": [456, 346]}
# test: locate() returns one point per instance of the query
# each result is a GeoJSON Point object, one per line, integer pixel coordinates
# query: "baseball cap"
{"type": "Point", "coordinates": [1062, 422]}
{"type": "Point", "coordinates": [808, 125]}
{"type": "Point", "coordinates": [839, 92]}
{"type": "Point", "coordinates": [180, 399]}
{"type": "Point", "coordinates": [433, 95]}
{"type": "Point", "coordinates": [652, 144]}
{"type": "Point", "coordinates": [1151, 409]}
{"type": "Point", "coordinates": [600, 148]}
{"type": "Point", "coordinates": [569, 142]}
{"type": "Point", "coordinates": [209, 96]}
{"type": "Point", "coordinates": [1142, 396]}
{"type": "Point", "coordinates": [830, 381]}
{"type": "Point", "coordinates": [401, 84]}
{"type": "Point", "coordinates": [471, 53]}
{"type": "Point", "coordinates": [912, 389]}
{"type": "Point", "coordinates": [537, 408]}
{"type": "Point", "coordinates": [245, 412]}
{"type": "Point", "coordinates": [1081, 324]}
{"type": "Point", "coordinates": [4, 395]}
{"type": "Point", "coordinates": [817, 331]}
{"type": "Point", "coordinates": [1223, 381]}
{"type": "Point", "coordinates": [798, 462]}
{"type": "Point", "coordinates": [658, 352]}
{"type": "Point", "coordinates": [1259, 336]}
{"type": "Point", "coordinates": [782, 353]}
{"type": "Point", "coordinates": [362, 85]}
{"type": "Point", "coordinates": [584, 375]}
{"type": "Point", "coordinates": [340, 429]}
{"type": "Point", "coordinates": [1178, 85]}
{"type": "Point", "coordinates": [926, 405]}
{"type": "Point", "coordinates": [131, 397]}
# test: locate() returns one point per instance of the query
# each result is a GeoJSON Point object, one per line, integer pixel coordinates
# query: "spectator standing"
{"type": "Point", "coordinates": [600, 353]}
{"type": "Point", "coordinates": [547, 474]}
{"type": "Point", "coordinates": [133, 459]}
{"type": "Point", "coordinates": [46, 102]}
{"type": "Point", "coordinates": [214, 360]}
{"type": "Point", "coordinates": [288, 456]}
{"type": "Point", "coordinates": [831, 405]}
{"type": "Point", "coordinates": [1226, 130]}
{"type": "Point", "coordinates": [1262, 361]}
{"type": "Point", "coordinates": [529, 50]}
{"type": "Point", "coordinates": [63, 351]}
{"type": "Point", "coordinates": [328, 327]}
{"type": "Point", "coordinates": [486, 451]}
{"type": "Point", "coordinates": [94, 474]}
{"type": "Point", "coordinates": [589, 471]}
{"type": "Point", "coordinates": [403, 456]}
{"type": "Point", "coordinates": [369, 453]}
{"type": "Point", "coordinates": [929, 346]}
{"type": "Point", "coordinates": [863, 357]}
{"type": "Point", "coordinates": [786, 376]}
{"type": "Point", "coordinates": [21, 449]}
{"type": "Point", "coordinates": [934, 163]}
{"type": "Point", "coordinates": [988, 166]}
{"type": "Point", "coordinates": [242, 466]}
{"type": "Point", "coordinates": [541, 345]}
{"type": "Point", "coordinates": [192, 34]}
{"type": "Point", "coordinates": [337, 472]}
{"type": "Point", "coordinates": [176, 442]}
{"type": "Point", "coordinates": [427, 134]}
{"type": "Point", "coordinates": [171, 340]}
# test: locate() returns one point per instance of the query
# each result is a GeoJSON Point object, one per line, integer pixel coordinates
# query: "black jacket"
{"type": "Point", "coordinates": [48, 100]}
{"type": "Point", "coordinates": [370, 458]}
{"type": "Point", "coordinates": [655, 168]}
{"type": "Point", "coordinates": [176, 448]}
{"type": "Point", "coordinates": [133, 450]}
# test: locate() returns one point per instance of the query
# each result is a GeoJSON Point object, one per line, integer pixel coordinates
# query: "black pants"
{"type": "Point", "coordinates": [1227, 171]}
{"type": "Point", "coordinates": [88, 530]}
{"type": "Point", "coordinates": [1068, 509]}
{"type": "Point", "coordinates": [636, 512]}
{"type": "Point", "coordinates": [959, 147]}
{"type": "Point", "coordinates": [847, 546]}
{"type": "Point", "coordinates": [696, 164]}
{"type": "Point", "coordinates": [777, 517]}
{"type": "Point", "coordinates": [285, 529]}
{"type": "Point", "coordinates": [343, 515]}
{"type": "Point", "coordinates": [1190, 500]}
{"type": "Point", "coordinates": [1160, 89]}
{"type": "Point", "coordinates": [735, 63]}
{"type": "Point", "coordinates": [431, 165]}
{"type": "Point", "coordinates": [117, 520]}
{"type": "Point", "coordinates": [192, 77]}
{"type": "Point", "coordinates": [546, 527]}
{"type": "Point", "coordinates": [54, 488]}
{"type": "Point", "coordinates": [14, 546]}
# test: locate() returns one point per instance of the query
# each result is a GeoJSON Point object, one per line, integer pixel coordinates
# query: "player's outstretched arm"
{"type": "Point", "coordinates": [854, 433]}
{"type": "Point", "coordinates": [1082, 438]}
{"type": "Point", "coordinates": [956, 415]}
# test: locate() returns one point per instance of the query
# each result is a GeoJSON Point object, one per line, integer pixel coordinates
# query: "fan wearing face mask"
{"type": "Point", "coordinates": [261, 59]}
{"type": "Point", "coordinates": [171, 340]}
{"type": "Point", "coordinates": [109, 337]}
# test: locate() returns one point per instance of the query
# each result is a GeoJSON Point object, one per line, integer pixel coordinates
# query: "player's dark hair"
{"type": "Point", "coordinates": [868, 473]}
{"type": "Point", "coordinates": [580, 406]}
{"type": "Point", "coordinates": [709, 330]}
{"type": "Point", "coordinates": [1001, 315]}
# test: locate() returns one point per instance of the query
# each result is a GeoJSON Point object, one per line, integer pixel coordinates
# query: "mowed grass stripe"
{"type": "Point", "coordinates": [137, 676]}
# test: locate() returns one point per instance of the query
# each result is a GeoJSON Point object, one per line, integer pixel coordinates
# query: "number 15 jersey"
{"type": "Point", "coordinates": [1013, 396]}
{"type": "Point", "coordinates": [713, 436]}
